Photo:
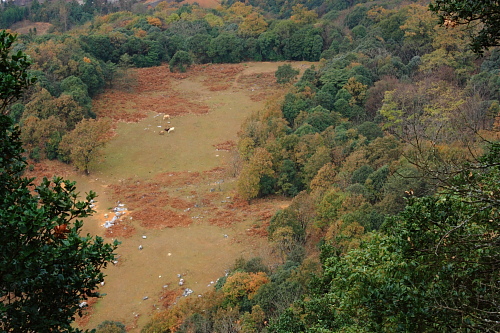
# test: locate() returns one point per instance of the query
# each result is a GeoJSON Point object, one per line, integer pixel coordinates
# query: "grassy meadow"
{"type": "Point", "coordinates": [182, 207]}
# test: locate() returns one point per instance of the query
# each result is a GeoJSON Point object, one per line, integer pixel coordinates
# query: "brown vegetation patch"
{"type": "Point", "coordinates": [155, 91]}
{"type": "Point", "coordinates": [157, 218]}
{"type": "Point", "coordinates": [139, 194]}
{"type": "Point", "coordinates": [169, 297]}
{"type": "Point", "coordinates": [261, 85]}
{"type": "Point", "coordinates": [84, 318]}
{"type": "Point", "coordinates": [179, 203]}
{"type": "Point", "coordinates": [219, 87]}
{"type": "Point", "coordinates": [119, 106]}
{"type": "Point", "coordinates": [238, 203]}
{"type": "Point", "coordinates": [24, 27]}
{"type": "Point", "coordinates": [178, 178]}
{"type": "Point", "coordinates": [217, 76]}
{"type": "Point", "coordinates": [133, 325]}
{"type": "Point", "coordinates": [203, 3]}
{"type": "Point", "coordinates": [121, 229]}
{"type": "Point", "coordinates": [258, 230]}
{"type": "Point", "coordinates": [153, 79]}
{"type": "Point", "coordinates": [147, 96]}
{"type": "Point", "coordinates": [225, 146]}
{"type": "Point", "coordinates": [258, 81]}
{"type": "Point", "coordinates": [198, 196]}
{"type": "Point", "coordinates": [224, 218]}
{"type": "Point", "coordinates": [48, 169]}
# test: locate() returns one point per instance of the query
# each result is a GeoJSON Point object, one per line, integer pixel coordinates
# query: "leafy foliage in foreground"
{"type": "Point", "coordinates": [46, 268]}
{"type": "Point", "coordinates": [433, 268]}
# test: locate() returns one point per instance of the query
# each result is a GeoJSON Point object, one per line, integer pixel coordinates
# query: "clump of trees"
{"type": "Point", "coordinates": [47, 268]}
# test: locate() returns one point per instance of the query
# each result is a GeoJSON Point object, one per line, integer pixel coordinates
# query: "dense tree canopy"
{"type": "Point", "coordinates": [482, 18]}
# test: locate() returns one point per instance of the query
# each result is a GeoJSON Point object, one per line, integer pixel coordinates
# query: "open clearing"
{"type": "Point", "coordinates": [177, 188]}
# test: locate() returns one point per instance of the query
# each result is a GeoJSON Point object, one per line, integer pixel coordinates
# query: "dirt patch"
{"type": "Point", "coordinates": [87, 312]}
{"type": "Point", "coordinates": [25, 26]}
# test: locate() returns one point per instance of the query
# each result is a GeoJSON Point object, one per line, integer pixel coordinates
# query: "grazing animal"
{"type": "Point", "coordinates": [161, 132]}
{"type": "Point", "coordinates": [170, 129]}
{"type": "Point", "coordinates": [166, 116]}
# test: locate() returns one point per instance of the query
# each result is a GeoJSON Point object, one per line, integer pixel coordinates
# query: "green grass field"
{"type": "Point", "coordinates": [137, 154]}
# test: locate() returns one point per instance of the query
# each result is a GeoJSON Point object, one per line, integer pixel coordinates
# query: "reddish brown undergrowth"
{"type": "Point", "coordinates": [87, 312]}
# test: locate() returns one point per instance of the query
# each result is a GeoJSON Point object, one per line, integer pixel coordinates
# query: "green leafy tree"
{"type": "Point", "coordinates": [434, 268]}
{"type": "Point", "coordinates": [285, 74]}
{"type": "Point", "coordinates": [90, 72]}
{"type": "Point", "coordinates": [481, 17]}
{"type": "Point", "coordinates": [198, 46]}
{"type": "Point", "coordinates": [181, 61]}
{"type": "Point", "coordinates": [14, 76]}
{"type": "Point", "coordinates": [225, 48]}
{"type": "Point", "coordinates": [75, 87]}
{"type": "Point", "coordinates": [47, 270]}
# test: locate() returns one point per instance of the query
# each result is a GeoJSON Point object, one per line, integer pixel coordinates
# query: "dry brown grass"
{"type": "Point", "coordinates": [23, 27]}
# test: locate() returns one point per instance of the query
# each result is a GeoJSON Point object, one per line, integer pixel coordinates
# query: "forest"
{"type": "Point", "coordinates": [387, 148]}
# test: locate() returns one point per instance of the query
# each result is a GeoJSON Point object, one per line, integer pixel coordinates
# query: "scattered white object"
{"type": "Point", "coordinates": [145, 298]}
{"type": "Point", "coordinates": [144, 237]}
{"type": "Point", "coordinates": [140, 247]}
{"type": "Point", "coordinates": [187, 292]}
{"type": "Point", "coordinates": [169, 254]}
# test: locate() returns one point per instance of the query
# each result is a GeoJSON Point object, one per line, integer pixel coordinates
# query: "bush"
{"type": "Point", "coordinates": [109, 326]}
{"type": "Point", "coordinates": [285, 74]}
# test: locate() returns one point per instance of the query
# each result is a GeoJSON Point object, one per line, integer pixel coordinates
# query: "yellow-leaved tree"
{"type": "Point", "coordinates": [82, 146]}
{"type": "Point", "coordinates": [249, 182]}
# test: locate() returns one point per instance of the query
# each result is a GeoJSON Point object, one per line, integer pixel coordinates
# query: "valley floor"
{"type": "Point", "coordinates": [176, 189]}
